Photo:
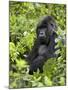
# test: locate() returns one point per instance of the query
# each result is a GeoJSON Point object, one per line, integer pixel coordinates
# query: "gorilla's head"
{"type": "Point", "coordinates": [46, 27]}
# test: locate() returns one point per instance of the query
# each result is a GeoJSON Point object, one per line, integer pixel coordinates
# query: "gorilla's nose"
{"type": "Point", "coordinates": [42, 34]}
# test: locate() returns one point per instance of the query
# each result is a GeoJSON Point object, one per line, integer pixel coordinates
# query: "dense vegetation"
{"type": "Point", "coordinates": [23, 20]}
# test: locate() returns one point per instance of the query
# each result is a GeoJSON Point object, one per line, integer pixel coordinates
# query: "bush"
{"type": "Point", "coordinates": [24, 17]}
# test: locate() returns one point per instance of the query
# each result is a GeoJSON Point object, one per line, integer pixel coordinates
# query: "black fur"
{"type": "Point", "coordinates": [44, 45]}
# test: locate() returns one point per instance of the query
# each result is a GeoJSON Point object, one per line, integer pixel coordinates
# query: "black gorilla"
{"type": "Point", "coordinates": [44, 46]}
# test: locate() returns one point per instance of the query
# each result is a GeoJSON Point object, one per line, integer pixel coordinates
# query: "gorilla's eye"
{"type": "Point", "coordinates": [52, 24]}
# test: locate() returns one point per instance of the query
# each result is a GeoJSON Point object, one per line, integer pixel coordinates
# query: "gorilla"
{"type": "Point", "coordinates": [44, 45]}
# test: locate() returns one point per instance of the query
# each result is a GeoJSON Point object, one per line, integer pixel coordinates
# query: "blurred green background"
{"type": "Point", "coordinates": [23, 19]}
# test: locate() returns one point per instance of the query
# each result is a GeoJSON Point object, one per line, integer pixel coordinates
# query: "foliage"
{"type": "Point", "coordinates": [23, 20]}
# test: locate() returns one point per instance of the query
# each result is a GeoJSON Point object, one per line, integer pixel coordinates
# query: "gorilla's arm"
{"type": "Point", "coordinates": [33, 53]}
{"type": "Point", "coordinates": [38, 61]}
{"type": "Point", "coordinates": [51, 46]}
{"type": "Point", "coordinates": [37, 64]}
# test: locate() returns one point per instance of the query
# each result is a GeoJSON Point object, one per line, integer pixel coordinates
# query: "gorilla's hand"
{"type": "Point", "coordinates": [37, 64]}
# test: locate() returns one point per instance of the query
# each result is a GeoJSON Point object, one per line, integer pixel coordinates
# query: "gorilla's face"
{"type": "Point", "coordinates": [46, 28]}
{"type": "Point", "coordinates": [42, 33]}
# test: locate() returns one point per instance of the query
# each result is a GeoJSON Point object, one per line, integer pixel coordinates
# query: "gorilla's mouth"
{"type": "Point", "coordinates": [44, 41]}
